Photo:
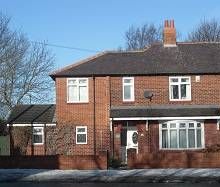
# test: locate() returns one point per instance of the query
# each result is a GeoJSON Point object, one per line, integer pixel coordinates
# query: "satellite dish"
{"type": "Point", "coordinates": [148, 94]}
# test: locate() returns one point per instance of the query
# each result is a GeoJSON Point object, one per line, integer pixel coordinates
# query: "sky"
{"type": "Point", "coordinates": [98, 25]}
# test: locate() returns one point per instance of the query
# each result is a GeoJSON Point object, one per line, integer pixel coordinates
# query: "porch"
{"type": "Point", "coordinates": [142, 136]}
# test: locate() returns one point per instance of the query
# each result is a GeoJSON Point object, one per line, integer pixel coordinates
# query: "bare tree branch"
{"type": "Point", "coordinates": [24, 69]}
{"type": "Point", "coordinates": [139, 37]}
{"type": "Point", "coordinates": [206, 31]}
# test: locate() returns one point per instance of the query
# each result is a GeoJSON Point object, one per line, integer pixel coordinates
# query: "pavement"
{"type": "Point", "coordinates": [46, 184]}
{"type": "Point", "coordinates": [111, 176]}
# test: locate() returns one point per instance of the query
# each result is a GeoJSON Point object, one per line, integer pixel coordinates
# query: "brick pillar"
{"type": "Point", "coordinates": [117, 141]}
{"type": "Point", "coordinates": [131, 158]}
{"type": "Point", "coordinates": [143, 137]}
{"type": "Point", "coordinates": [102, 160]}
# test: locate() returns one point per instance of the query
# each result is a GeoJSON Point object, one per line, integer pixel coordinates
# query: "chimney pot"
{"type": "Point", "coordinates": [166, 23]}
{"type": "Point", "coordinates": [172, 23]}
{"type": "Point", "coordinates": [169, 34]}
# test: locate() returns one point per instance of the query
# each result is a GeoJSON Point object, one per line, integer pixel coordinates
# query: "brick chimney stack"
{"type": "Point", "coordinates": [169, 34]}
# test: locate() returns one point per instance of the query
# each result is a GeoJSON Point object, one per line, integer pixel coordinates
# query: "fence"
{"type": "Point", "coordinates": [4, 145]}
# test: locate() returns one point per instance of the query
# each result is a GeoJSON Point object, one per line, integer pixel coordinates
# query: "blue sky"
{"type": "Point", "coordinates": [98, 24]}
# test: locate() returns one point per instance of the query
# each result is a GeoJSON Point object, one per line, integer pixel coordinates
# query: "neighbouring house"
{"type": "Point", "coordinates": [27, 125]}
{"type": "Point", "coordinates": [159, 107]}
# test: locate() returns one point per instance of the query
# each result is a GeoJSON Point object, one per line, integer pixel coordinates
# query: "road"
{"type": "Point", "coordinates": [27, 184]}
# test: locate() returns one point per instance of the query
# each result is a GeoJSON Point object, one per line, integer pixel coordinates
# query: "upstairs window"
{"type": "Point", "coordinates": [180, 88]}
{"type": "Point", "coordinates": [77, 90]}
{"type": "Point", "coordinates": [38, 135]}
{"type": "Point", "coordinates": [81, 135]}
{"type": "Point", "coordinates": [128, 89]}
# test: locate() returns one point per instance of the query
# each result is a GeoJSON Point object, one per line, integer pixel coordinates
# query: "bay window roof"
{"type": "Point", "coordinates": [165, 111]}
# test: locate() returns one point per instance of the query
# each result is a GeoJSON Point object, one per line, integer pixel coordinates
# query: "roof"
{"type": "Point", "coordinates": [21, 114]}
{"type": "Point", "coordinates": [165, 111]}
{"type": "Point", "coordinates": [185, 58]}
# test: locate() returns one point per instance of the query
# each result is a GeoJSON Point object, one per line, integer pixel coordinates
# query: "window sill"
{"type": "Point", "coordinates": [84, 102]}
{"type": "Point", "coordinates": [181, 149]}
{"type": "Point", "coordinates": [181, 100]}
{"type": "Point", "coordinates": [128, 101]}
{"type": "Point", "coordinates": [37, 144]}
{"type": "Point", "coordinates": [81, 143]}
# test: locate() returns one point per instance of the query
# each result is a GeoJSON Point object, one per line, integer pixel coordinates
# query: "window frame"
{"type": "Point", "coordinates": [132, 89]}
{"type": "Point", "coordinates": [177, 122]}
{"type": "Point", "coordinates": [33, 134]}
{"type": "Point", "coordinates": [189, 98]}
{"type": "Point", "coordinates": [86, 133]}
{"type": "Point", "coordinates": [78, 85]}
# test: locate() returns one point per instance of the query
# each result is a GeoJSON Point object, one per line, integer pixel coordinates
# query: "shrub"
{"type": "Point", "coordinates": [114, 163]}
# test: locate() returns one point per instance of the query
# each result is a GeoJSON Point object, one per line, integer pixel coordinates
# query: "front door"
{"type": "Point", "coordinates": [132, 138]}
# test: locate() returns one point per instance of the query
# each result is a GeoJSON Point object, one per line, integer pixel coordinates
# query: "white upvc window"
{"type": "Point", "coordinates": [128, 88]}
{"type": "Point", "coordinates": [181, 135]}
{"type": "Point", "coordinates": [81, 135]}
{"type": "Point", "coordinates": [38, 135]}
{"type": "Point", "coordinates": [180, 88]}
{"type": "Point", "coordinates": [77, 90]}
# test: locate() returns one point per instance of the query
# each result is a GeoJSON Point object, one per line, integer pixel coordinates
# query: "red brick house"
{"type": "Point", "coordinates": [153, 108]}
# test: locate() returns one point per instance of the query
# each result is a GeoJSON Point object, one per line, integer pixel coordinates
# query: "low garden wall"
{"type": "Point", "coordinates": [174, 159]}
{"type": "Point", "coordinates": [55, 161]}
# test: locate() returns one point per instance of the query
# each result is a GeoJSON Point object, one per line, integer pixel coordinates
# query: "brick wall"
{"type": "Point", "coordinates": [148, 139]}
{"type": "Point", "coordinates": [83, 114]}
{"type": "Point", "coordinates": [21, 142]}
{"type": "Point", "coordinates": [55, 161]}
{"type": "Point", "coordinates": [206, 91]}
{"type": "Point", "coordinates": [184, 159]}
{"type": "Point", "coordinates": [57, 140]}
{"type": "Point", "coordinates": [155, 158]}
{"type": "Point", "coordinates": [117, 139]}
{"type": "Point", "coordinates": [36, 150]}
{"type": "Point", "coordinates": [212, 135]}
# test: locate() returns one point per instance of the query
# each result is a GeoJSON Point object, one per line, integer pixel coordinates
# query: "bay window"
{"type": "Point", "coordinates": [182, 135]}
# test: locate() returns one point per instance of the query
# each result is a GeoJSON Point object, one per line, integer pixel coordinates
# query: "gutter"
{"type": "Point", "coordinates": [165, 118]}
{"type": "Point", "coordinates": [94, 116]}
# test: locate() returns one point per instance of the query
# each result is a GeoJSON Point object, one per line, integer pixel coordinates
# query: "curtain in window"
{"type": "Point", "coordinates": [199, 143]}
{"type": "Point", "coordinates": [191, 138]}
{"type": "Point", "coordinates": [175, 92]}
{"type": "Point", "coordinates": [173, 139]}
{"type": "Point", "coordinates": [164, 138]}
{"type": "Point", "coordinates": [181, 135]}
{"type": "Point", "coordinates": [182, 138]}
{"type": "Point", "coordinates": [72, 93]}
{"type": "Point", "coordinates": [82, 93]}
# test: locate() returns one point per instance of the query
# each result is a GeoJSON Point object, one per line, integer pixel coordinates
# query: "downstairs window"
{"type": "Point", "coordinates": [81, 135]}
{"type": "Point", "coordinates": [38, 135]}
{"type": "Point", "coordinates": [182, 135]}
